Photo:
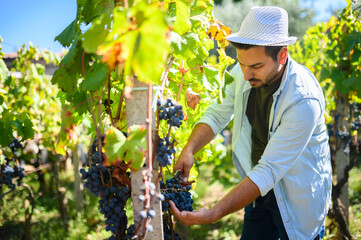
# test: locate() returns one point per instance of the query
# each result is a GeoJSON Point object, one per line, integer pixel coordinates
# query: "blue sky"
{"type": "Point", "coordinates": [40, 21]}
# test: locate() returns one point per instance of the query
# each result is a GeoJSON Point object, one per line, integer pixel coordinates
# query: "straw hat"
{"type": "Point", "coordinates": [264, 26]}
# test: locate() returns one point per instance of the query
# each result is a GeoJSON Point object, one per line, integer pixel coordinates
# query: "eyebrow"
{"type": "Point", "coordinates": [253, 65]}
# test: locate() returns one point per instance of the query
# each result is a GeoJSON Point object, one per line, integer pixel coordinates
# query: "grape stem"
{"type": "Point", "coordinates": [110, 110]}
{"type": "Point", "coordinates": [165, 75]}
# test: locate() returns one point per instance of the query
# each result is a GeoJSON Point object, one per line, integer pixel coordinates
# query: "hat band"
{"type": "Point", "coordinates": [263, 36]}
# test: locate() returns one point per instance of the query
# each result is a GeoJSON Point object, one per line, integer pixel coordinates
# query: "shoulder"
{"type": "Point", "coordinates": [302, 82]}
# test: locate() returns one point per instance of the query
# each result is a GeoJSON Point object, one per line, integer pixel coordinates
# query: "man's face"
{"type": "Point", "coordinates": [258, 68]}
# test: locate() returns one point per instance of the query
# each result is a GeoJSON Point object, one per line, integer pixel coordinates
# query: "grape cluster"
{"type": "Point", "coordinates": [11, 169]}
{"type": "Point", "coordinates": [110, 184]}
{"type": "Point", "coordinates": [170, 112]}
{"type": "Point", "coordinates": [180, 195]}
{"type": "Point", "coordinates": [112, 204]}
{"type": "Point", "coordinates": [130, 232]}
{"type": "Point", "coordinates": [8, 173]}
{"type": "Point", "coordinates": [165, 152]}
{"type": "Point", "coordinates": [95, 178]}
{"type": "Point", "coordinates": [168, 233]}
{"type": "Point", "coordinates": [15, 145]}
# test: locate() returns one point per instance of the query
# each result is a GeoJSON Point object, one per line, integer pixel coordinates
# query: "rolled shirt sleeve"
{"type": "Point", "coordinates": [286, 144]}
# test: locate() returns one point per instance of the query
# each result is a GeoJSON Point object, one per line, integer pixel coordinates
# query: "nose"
{"type": "Point", "coordinates": [248, 74]}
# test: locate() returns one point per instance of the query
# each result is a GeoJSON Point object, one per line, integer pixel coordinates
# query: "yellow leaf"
{"type": "Point", "coordinates": [226, 29]}
{"type": "Point", "coordinates": [333, 21]}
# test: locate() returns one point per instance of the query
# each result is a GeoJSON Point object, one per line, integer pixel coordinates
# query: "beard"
{"type": "Point", "coordinates": [271, 77]}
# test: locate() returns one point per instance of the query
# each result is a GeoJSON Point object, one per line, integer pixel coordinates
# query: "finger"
{"type": "Point", "coordinates": [186, 169]}
{"type": "Point", "coordinates": [174, 210]}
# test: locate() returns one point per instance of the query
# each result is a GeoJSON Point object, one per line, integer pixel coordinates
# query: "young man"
{"type": "Point", "coordinates": [279, 139]}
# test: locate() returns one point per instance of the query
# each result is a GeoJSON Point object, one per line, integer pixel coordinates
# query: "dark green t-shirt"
{"type": "Point", "coordinates": [258, 112]}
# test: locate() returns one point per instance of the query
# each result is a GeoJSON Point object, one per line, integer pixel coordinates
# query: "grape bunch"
{"type": "Point", "coordinates": [8, 173]}
{"type": "Point", "coordinates": [95, 178]}
{"type": "Point", "coordinates": [112, 204]}
{"type": "Point", "coordinates": [11, 169]}
{"type": "Point", "coordinates": [15, 145]}
{"type": "Point", "coordinates": [110, 184]}
{"type": "Point", "coordinates": [168, 233]}
{"type": "Point", "coordinates": [165, 152]}
{"type": "Point", "coordinates": [170, 112]}
{"type": "Point", "coordinates": [175, 191]}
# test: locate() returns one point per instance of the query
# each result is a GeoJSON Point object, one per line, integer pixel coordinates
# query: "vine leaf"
{"type": "Point", "coordinates": [3, 70]}
{"type": "Point", "coordinates": [67, 35]}
{"type": "Point", "coordinates": [182, 23]}
{"type": "Point", "coordinates": [130, 149]}
{"type": "Point", "coordinates": [6, 132]}
{"type": "Point", "coordinates": [96, 35]}
{"type": "Point", "coordinates": [95, 77]}
{"type": "Point", "coordinates": [210, 78]}
{"type": "Point", "coordinates": [192, 98]}
{"type": "Point", "coordinates": [149, 58]}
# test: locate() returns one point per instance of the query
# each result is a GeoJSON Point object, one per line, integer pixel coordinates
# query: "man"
{"type": "Point", "coordinates": [279, 140]}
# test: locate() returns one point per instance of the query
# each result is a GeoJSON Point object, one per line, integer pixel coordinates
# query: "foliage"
{"type": "Point", "coordinates": [163, 43]}
{"type": "Point", "coordinates": [332, 52]}
{"type": "Point", "coordinates": [29, 105]}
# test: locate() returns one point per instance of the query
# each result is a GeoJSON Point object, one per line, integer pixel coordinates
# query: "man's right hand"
{"type": "Point", "coordinates": [201, 135]}
{"type": "Point", "coordinates": [185, 162]}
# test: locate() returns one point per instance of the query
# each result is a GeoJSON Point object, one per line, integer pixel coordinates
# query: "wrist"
{"type": "Point", "coordinates": [213, 215]}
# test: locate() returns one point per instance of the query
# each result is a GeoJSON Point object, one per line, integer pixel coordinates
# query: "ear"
{"type": "Point", "coordinates": [282, 55]}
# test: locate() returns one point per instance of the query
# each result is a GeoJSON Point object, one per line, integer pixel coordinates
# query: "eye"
{"type": "Point", "coordinates": [257, 67]}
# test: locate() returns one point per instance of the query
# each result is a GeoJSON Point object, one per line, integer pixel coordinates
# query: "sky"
{"type": "Point", "coordinates": [40, 21]}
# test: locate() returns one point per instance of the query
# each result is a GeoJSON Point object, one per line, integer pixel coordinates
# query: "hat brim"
{"type": "Point", "coordinates": [237, 39]}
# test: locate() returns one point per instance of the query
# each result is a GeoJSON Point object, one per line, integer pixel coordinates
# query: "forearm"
{"type": "Point", "coordinates": [202, 134]}
{"type": "Point", "coordinates": [240, 196]}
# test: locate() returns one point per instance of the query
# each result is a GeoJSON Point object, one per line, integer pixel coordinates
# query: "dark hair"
{"type": "Point", "coordinates": [271, 51]}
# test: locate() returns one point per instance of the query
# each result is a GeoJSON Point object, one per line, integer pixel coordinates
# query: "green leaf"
{"type": "Point", "coordinates": [66, 82]}
{"type": "Point", "coordinates": [96, 35]}
{"type": "Point", "coordinates": [135, 147]}
{"type": "Point", "coordinates": [94, 8]}
{"type": "Point", "coordinates": [114, 145]}
{"type": "Point", "coordinates": [186, 46]}
{"type": "Point", "coordinates": [182, 23]}
{"type": "Point", "coordinates": [131, 149]}
{"type": "Point", "coordinates": [95, 77]}
{"type": "Point", "coordinates": [149, 57]}
{"type": "Point", "coordinates": [4, 71]}
{"type": "Point", "coordinates": [120, 21]}
{"type": "Point", "coordinates": [67, 35]}
{"type": "Point", "coordinates": [27, 129]}
{"type": "Point", "coordinates": [354, 82]}
{"type": "Point", "coordinates": [6, 135]}
{"type": "Point", "coordinates": [228, 78]}
{"type": "Point", "coordinates": [210, 78]}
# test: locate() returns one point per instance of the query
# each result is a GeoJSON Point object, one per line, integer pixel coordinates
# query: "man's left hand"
{"type": "Point", "coordinates": [201, 216]}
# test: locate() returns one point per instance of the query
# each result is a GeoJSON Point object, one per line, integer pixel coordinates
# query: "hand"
{"type": "Point", "coordinates": [185, 162]}
{"type": "Point", "coordinates": [201, 216]}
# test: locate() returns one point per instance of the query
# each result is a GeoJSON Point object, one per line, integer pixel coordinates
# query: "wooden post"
{"type": "Point", "coordinates": [78, 186]}
{"type": "Point", "coordinates": [62, 200]}
{"type": "Point", "coordinates": [136, 112]}
{"type": "Point", "coordinates": [342, 159]}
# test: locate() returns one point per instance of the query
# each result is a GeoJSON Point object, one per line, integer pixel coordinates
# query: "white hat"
{"type": "Point", "coordinates": [264, 26]}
